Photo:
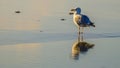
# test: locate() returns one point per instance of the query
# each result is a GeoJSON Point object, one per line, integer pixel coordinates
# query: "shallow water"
{"type": "Point", "coordinates": [37, 38]}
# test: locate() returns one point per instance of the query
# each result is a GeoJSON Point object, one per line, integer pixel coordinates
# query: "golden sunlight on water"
{"type": "Point", "coordinates": [20, 26]}
{"type": "Point", "coordinates": [30, 12]}
{"type": "Point", "coordinates": [20, 47]}
{"type": "Point", "coordinates": [29, 46]}
{"type": "Point", "coordinates": [19, 53]}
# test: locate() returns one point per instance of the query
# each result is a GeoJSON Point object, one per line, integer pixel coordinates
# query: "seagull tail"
{"type": "Point", "coordinates": [92, 24]}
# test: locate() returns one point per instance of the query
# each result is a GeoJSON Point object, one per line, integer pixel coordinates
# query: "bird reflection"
{"type": "Point", "coordinates": [80, 46]}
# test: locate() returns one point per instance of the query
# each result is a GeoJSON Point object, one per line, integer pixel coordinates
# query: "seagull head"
{"type": "Point", "coordinates": [77, 11]}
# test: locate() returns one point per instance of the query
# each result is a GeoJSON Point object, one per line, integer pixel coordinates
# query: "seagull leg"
{"type": "Point", "coordinates": [79, 31]}
{"type": "Point", "coordinates": [79, 34]}
{"type": "Point", "coordinates": [82, 34]}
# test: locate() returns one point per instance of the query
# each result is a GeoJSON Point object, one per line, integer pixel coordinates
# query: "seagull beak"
{"type": "Point", "coordinates": [71, 13]}
{"type": "Point", "coordinates": [73, 9]}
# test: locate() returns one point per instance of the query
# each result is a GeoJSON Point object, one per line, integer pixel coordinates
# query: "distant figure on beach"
{"type": "Point", "coordinates": [17, 12]}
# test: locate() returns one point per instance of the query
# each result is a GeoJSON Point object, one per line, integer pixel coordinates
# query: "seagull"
{"type": "Point", "coordinates": [80, 20]}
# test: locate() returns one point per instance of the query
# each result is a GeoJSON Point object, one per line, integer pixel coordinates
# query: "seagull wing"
{"type": "Point", "coordinates": [85, 19]}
